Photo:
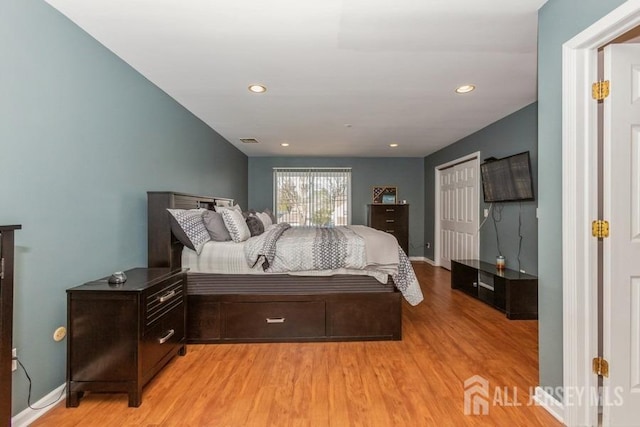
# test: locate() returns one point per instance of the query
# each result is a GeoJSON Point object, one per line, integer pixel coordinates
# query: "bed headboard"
{"type": "Point", "coordinates": [164, 250]}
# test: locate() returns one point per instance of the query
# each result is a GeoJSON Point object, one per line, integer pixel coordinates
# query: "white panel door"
{"type": "Point", "coordinates": [458, 214]}
{"type": "Point", "coordinates": [621, 267]}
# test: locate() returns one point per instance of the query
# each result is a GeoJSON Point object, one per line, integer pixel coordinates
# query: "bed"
{"type": "Point", "coordinates": [271, 307]}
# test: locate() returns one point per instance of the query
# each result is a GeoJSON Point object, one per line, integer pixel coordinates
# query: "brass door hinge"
{"type": "Point", "coordinates": [600, 90]}
{"type": "Point", "coordinates": [600, 228]}
{"type": "Point", "coordinates": [600, 367]}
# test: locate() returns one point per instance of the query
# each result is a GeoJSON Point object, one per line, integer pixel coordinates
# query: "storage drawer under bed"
{"type": "Point", "coordinates": [259, 320]}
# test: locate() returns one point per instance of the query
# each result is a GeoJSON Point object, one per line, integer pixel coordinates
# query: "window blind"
{"type": "Point", "coordinates": [313, 196]}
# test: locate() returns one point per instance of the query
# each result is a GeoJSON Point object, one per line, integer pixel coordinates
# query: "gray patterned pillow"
{"type": "Point", "coordinates": [215, 226]}
{"type": "Point", "coordinates": [189, 229]}
{"type": "Point", "coordinates": [235, 223]}
{"type": "Point", "coordinates": [256, 227]}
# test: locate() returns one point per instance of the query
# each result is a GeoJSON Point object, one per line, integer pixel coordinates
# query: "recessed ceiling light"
{"type": "Point", "coordinates": [257, 88]}
{"type": "Point", "coordinates": [285, 144]}
{"type": "Point", "coordinates": [465, 88]}
{"type": "Point", "coordinates": [393, 145]}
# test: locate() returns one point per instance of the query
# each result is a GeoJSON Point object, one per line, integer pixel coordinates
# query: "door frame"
{"type": "Point", "coordinates": [436, 238]}
{"type": "Point", "coordinates": [580, 205]}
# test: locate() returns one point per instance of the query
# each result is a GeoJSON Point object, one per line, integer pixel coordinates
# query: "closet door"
{"type": "Point", "coordinates": [458, 213]}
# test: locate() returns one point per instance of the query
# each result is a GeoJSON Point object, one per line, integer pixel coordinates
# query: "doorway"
{"type": "Point", "coordinates": [580, 208]}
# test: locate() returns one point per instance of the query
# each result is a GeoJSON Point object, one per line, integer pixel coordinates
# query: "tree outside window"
{"type": "Point", "coordinates": [313, 196]}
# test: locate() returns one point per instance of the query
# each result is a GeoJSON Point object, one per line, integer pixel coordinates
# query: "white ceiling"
{"type": "Point", "coordinates": [387, 68]}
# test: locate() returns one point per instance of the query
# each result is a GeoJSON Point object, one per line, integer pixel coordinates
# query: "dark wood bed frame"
{"type": "Point", "coordinates": [274, 308]}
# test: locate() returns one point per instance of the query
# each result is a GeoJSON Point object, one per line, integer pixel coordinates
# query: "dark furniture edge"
{"type": "Point", "coordinates": [7, 242]}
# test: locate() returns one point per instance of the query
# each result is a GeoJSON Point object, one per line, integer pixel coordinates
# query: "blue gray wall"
{"type": "Point", "coordinates": [513, 134]}
{"type": "Point", "coordinates": [82, 138]}
{"type": "Point", "coordinates": [406, 173]}
{"type": "Point", "coordinates": [558, 22]}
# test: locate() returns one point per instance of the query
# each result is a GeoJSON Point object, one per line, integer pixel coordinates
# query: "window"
{"type": "Point", "coordinates": [313, 196]}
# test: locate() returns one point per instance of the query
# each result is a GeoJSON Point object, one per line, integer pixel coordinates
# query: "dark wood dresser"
{"type": "Point", "coordinates": [120, 336]}
{"type": "Point", "coordinates": [6, 319]}
{"type": "Point", "coordinates": [394, 219]}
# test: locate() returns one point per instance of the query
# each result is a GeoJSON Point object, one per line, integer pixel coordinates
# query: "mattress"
{"type": "Point", "coordinates": [229, 258]}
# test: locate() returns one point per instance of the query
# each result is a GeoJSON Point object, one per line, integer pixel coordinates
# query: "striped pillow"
{"type": "Point", "coordinates": [235, 223]}
{"type": "Point", "coordinates": [188, 227]}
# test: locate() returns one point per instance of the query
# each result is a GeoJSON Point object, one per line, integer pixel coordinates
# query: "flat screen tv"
{"type": "Point", "coordinates": [508, 179]}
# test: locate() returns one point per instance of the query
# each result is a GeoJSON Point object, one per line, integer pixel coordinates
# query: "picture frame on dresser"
{"type": "Point", "coordinates": [388, 199]}
{"type": "Point", "coordinates": [385, 195]}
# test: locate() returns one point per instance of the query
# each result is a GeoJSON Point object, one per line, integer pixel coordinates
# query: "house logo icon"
{"type": "Point", "coordinates": [476, 396]}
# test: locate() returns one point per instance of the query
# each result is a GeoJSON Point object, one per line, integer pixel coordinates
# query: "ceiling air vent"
{"type": "Point", "coordinates": [249, 140]}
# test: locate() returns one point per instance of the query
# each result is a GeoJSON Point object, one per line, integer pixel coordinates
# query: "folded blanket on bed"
{"type": "Point", "coordinates": [284, 249]}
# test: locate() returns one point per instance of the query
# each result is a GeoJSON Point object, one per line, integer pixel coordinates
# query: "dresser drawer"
{"type": "Point", "coordinates": [163, 336]}
{"type": "Point", "coordinates": [273, 319]}
{"type": "Point", "coordinates": [389, 225]}
{"type": "Point", "coordinates": [387, 212]}
{"type": "Point", "coordinates": [161, 299]}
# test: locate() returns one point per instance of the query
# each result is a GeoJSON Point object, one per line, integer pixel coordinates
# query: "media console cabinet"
{"type": "Point", "coordinates": [509, 291]}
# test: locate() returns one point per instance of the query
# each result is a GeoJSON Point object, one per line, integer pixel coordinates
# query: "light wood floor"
{"type": "Point", "coordinates": [414, 382]}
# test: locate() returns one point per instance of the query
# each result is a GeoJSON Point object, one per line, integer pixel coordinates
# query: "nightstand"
{"type": "Point", "coordinates": [120, 336]}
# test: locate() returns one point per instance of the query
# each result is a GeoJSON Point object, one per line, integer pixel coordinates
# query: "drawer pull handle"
{"type": "Point", "coordinates": [391, 220]}
{"type": "Point", "coordinates": [275, 319]}
{"type": "Point", "coordinates": [167, 296]}
{"type": "Point", "coordinates": [165, 338]}
{"type": "Point", "coordinates": [390, 231]}
{"type": "Point", "coordinates": [390, 210]}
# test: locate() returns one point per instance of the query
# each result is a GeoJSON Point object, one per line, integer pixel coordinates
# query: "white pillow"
{"type": "Point", "coordinates": [236, 224]}
{"type": "Point", "coordinates": [265, 218]}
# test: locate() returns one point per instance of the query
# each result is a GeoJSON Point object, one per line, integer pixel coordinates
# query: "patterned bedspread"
{"type": "Point", "coordinates": [283, 249]}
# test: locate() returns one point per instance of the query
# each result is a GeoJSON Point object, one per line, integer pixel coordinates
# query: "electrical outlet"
{"type": "Point", "coordinates": [14, 363]}
{"type": "Point", "coordinates": [486, 213]}
{"type": "Point", "coordinates": [428, 245]}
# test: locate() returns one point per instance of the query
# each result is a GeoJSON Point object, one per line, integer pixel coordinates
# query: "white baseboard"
{"type": "Point", "coordinates": [26, 417]}
{"type": "Point", "coordinates": [549, 403]}
{"type": "Point", "coordinates": [422, 259]}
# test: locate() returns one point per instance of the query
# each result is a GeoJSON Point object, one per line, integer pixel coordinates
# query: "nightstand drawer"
{"type": "Point", "coordinates": [163, 337]}
{"type": "Point", "coordinates": [162, 299]}
{"type": "Point", "coordinates": [274, 319]}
